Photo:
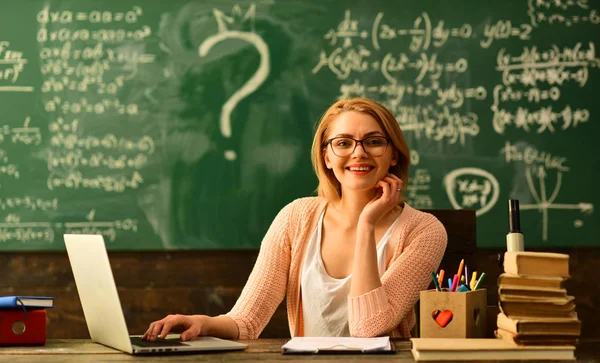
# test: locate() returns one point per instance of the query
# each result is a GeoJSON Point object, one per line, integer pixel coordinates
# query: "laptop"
{"type": "Point", "coordinates": [102, 307]}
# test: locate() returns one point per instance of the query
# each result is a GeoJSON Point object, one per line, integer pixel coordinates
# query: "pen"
{"type": "Point", "coordinates": [466, 275]}
{"type": "Point", "coordinates": [473, 280]}
{"type": "Point", "coordinates": [441, 278]}
{"type": "Point", "coordinates": [449, 284]}
{"type": "Point", "coordinates": [455, 282]}
{"type": "Point", "coordinates": [479, 281]}
{"type": "Point", "coordinates": [435, 282]}
{"type": "Point", "coordinates": [459, 273]}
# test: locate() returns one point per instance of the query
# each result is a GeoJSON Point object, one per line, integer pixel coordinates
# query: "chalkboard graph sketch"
{"type": "Point", "coordinates": [545, 203]}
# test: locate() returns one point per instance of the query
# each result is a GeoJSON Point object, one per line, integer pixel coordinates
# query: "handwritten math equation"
{"type": "Point", "coordinates": [12, 228]}
{"type": "Point", "coordinates": [537, 75]}
{"type": "Point", "coordinates": [564, 12]}
{"type": "Point", "coordinates": [408, 82]}
{"type": "Point", "coordinates": [87, 59]}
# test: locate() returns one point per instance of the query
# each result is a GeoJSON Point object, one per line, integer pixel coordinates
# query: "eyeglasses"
{"type": "Point", "coordinates": [345, 146]}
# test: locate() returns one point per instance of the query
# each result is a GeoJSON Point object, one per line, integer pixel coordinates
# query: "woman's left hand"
{"type": "Point", "coordinates": [387, 197]}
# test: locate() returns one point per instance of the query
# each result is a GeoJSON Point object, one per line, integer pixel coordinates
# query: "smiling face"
{"type": "Point", "coordinates": [358, 171]}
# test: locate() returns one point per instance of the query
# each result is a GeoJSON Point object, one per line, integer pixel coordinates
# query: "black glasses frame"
{"type": "Point", "coordinates": [356, 142]}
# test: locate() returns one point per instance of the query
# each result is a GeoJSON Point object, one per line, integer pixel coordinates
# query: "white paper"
{"type": "Point", "coordinates": [315, 344]}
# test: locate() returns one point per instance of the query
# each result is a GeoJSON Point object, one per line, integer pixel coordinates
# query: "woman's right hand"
{"type": "Point", "coordinates": [192, 325]}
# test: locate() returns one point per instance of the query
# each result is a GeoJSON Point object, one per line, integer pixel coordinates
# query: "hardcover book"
{"type": "Point", "coordinates": [539, 326]}
{"type": "Point", "coordinates": [547, 308]}
{"type": "Point", "coordinates": [29, 302]}
{"type": "Point", "coordinates": [525, 293]}
{"type": "Point", "coordinates": [22, 327]}
{"type": "Point", "coordinates": [441, 349]}
{"type": "Point", "coordinates": [546, 340]}
{"type": "Point", "coordinates": [534, 282]}
{"type": "Point", "coordinates": [528, 263]}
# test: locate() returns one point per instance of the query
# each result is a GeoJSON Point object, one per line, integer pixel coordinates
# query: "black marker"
{"type": "Point", "coordinates": [514, 238]}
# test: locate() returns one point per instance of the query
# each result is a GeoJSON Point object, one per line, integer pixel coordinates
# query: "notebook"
{"type": "Point", "coordinates": [303, 345]}
{"type": "Point", "coordinates": [102, 307]}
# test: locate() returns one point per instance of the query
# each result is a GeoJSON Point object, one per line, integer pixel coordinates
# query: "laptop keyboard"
{"type": "Point", "coordinates": [158, 343]}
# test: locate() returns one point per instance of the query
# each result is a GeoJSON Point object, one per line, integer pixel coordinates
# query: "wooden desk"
{"type": "Point", "coordinates": [264, 350]}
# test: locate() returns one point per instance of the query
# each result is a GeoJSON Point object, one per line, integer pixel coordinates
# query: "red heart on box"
{"type": "Point", "coordinates": [442, 318]}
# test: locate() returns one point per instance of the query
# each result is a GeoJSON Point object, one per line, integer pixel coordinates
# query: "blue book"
{"type": "Point", "coordinates": [30, 302]}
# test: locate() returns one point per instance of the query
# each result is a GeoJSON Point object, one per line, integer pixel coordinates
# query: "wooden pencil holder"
{"type": "Point", "coordinates": [453, 314]}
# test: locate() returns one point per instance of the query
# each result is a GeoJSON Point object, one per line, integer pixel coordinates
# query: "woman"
{"type": "Point", "coordinates": [352, 260]}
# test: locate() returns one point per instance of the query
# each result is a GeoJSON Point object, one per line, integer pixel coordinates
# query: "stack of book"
{"type": "Point", "coordinates": [534, 306]}
{"type": "Point", "coordinates": [23, 319]}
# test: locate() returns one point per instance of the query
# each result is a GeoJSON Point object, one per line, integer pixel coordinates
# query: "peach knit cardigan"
{"type": "Point", "coordinates": [419, 244]}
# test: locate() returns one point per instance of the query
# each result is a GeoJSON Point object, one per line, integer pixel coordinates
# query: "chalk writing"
{"type": "Point", "coordinates": [532, 67]}
{"type": "Point", "coordinates": [71, 141]}
{"type": "Point", "coordinates": [533, 95]}
{"type": "Point", "coordinates": [395, 77]}
{"type": "Point", "coordinates": [435, 124]}
{"type": "Point", "coordinates": [504, 29]}
{"type": "Point", "coordinates": [29, 202]}
{"type": "Point", "coordinates": [108, 229]}
{"type": "Point", "coordinates": [11, 170]}
{"type": "Point", "coordinates": [553, 12]}
{"type": "Point", "coordinates": [415, 157]}
{"type": "Point", "coordinates": [87, 60]}
{"type": "Point", "coordinates": [552, 66]}
{"type": "Point", "coordinates": [356, 60]}
{"type": "Point", "coordinates": [417, 192]}
{"type": "Point", "coordinates": [423, 34]}
{"type": "Point", "coordinates": [84, 69]}
{"type": "Point", "coordinates": [48, 16]}
{"type": "Point", "coordinates": [544, 119]}
{"type": "Point", "coordinates": [12, 65]}
{"type": "Point", "coordinates": [44, 232]}
{"type": "Point", "coordinates": [76, 180]}
{"type": "Point", "coordinates": [530, 155]}
{"type": "Point", "coordinates": [83, 106]}
{"type": "Point", "coordinates": [26, 234]}
{"type": "Point", "coordinates": [21, 135]}
{"type": "Point", "coordinates": [452, 96]}
{"type": "Point", "coordinates": [252, 84]}
{"type": "Point", "coordinates": [472, 188]}
{"type": "Point", "coordinates": [96, 160]}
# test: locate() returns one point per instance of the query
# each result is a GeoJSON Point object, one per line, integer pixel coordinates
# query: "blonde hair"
{"type": "Point", "coordinates": [329, 187]}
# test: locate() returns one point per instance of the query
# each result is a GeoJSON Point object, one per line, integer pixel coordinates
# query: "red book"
{"type": "Point", "coordinates": [18, 327]}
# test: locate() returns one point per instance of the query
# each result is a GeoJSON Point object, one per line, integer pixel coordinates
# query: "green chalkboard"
{"type": "Point", "coordinates": [188, 124]}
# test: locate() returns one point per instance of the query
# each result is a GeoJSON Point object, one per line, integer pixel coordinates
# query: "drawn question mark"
{"type": "Point", "coordinates": [250, 86]}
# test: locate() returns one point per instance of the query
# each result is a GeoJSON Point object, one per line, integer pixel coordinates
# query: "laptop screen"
{"type": "Point", "coordinates": [97, 290]}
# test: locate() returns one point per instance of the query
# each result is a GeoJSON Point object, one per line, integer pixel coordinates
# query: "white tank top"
{"type": "Point", "coordinates": [324, 298]}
